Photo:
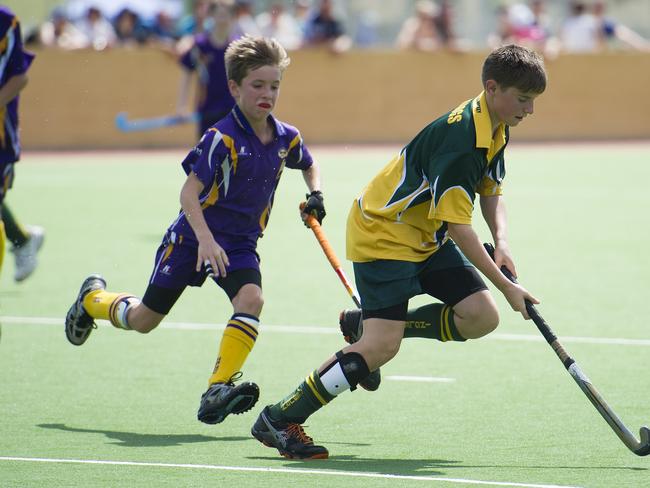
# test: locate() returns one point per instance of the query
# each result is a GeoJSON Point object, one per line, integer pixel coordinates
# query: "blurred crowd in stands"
{"type": "Point", "coordinates": [296, 24]}
{"type": "Point", "coordinates": [585, 29]}
{"type": "Point", "coordinates": [300, 24]}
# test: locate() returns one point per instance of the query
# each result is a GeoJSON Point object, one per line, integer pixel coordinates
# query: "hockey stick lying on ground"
{"type": "Point", "coordinates": [331, 256]}
{"type": "Point", "coordinates": [123, 123]}
{"type": "Point", "coordinates": [640, 448]}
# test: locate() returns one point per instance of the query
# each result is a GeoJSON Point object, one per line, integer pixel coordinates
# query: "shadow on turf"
{"type": "Point", "coordinates": [354, 463]}
{"type": "Point", "coordinates": [132, 439]}
{"type": "Point", "coordinates": [410, 467]}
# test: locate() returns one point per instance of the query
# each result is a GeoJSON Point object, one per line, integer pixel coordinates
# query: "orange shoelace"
{"type": "Point", "coordinates": [296, 430]}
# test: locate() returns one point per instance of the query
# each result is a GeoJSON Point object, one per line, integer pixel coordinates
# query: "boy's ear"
{"type": "Point", "coordinates": [233, 88]}
{"type": "Point", "coordinates": [491, 86]}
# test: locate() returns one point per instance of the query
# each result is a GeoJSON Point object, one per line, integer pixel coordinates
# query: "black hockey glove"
{"type": "Point", "coordinates": [314, 206]}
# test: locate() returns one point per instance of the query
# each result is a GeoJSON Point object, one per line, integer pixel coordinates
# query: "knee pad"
{"type": "Point", "coordinates": [354, 367]}
{"type": "Point", "coordinates": [119, 311]}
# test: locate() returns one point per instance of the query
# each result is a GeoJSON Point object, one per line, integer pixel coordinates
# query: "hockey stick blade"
{"type": "Point", "coordinates": [640, 448]}
{"type": "Point", "coordinates": [123, 123]}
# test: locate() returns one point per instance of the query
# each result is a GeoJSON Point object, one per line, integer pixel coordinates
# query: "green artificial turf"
{"type": "Point", "coordinates": [508, 412]}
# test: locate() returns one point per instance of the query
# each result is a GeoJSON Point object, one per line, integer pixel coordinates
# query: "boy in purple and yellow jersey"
{"type": "Point", "coordinates": [205, 57]}
{"type": "Point", "coordinates": [14, 63]}
{"type": "Point", "coordinates": [226, 200]}
{"type": "Point", "coordinates": [410, 233]}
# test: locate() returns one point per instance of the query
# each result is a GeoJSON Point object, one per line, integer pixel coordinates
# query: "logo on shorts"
{"type": "Point", "coordinates": [282, 153]}
{"type": "Point", "coordinates": [166, 270]}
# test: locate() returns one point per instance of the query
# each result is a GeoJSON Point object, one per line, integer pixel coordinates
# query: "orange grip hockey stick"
{"type": "Point", "coordinates": [331, 255]}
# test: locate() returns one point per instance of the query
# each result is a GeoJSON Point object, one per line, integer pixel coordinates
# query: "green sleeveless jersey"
{"type": "Point", "coordinates": [403, 212]}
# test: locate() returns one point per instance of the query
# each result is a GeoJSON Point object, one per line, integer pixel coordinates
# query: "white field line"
{"type": "Point", "coordinates": [422, 379]}
{"type": "Point", "coordinates": [297, 329]}
{"type": "Point", "coordinates": [297, 471]}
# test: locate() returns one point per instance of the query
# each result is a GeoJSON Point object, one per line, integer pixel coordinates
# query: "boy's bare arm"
{"type": "Point", "coordinates": [494, 212]}
{"type": "Point", "coordinates": [467, 240]}
{"type": "Point", "coordinates": [311, 176]}
{"type": "Point", "coordinates": [209, 249]}
{"type": "Point", "coordinates": [12, 88]}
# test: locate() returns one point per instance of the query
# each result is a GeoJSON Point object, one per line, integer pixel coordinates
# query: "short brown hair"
{"type": "Point", "coordinates": [516, 66]}
{"type": "Point", "coordinates": [248, 53]}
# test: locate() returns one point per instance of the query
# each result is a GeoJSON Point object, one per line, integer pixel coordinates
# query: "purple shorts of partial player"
{"type": "Point", "coordinates": [175, 265]}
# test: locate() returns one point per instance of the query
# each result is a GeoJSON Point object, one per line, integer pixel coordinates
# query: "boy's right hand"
{"type": "Point", "coordinates": [517, 296]}
{"type": "Point", "coordinates": [313, 206]}
{"type": "Point", "coordinates": [211, 253]}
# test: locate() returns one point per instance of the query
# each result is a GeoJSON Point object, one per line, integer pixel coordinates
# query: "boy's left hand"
{"type": "Point", "coordinates": [502, 257]}
{"type": "Point", "coordinates": [314, 206]}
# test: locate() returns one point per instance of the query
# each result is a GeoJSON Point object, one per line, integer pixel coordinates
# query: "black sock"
{"type": "Point", "coordinates": [15, 232]}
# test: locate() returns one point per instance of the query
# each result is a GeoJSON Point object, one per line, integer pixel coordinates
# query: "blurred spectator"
{"type": "Point", "coordinates": [541, 36]}
{"type": "Point", "coordinates": [194, 22]}
{"type": "Point", "coordinates": [541, 19]}
{"type": "Point", "coordinates": [163, 28]}
{"type": "Point", "coordinates": [503, 34]}
{"type": "Point", "coordinates": [323, 29]}
{"type": "Point", "coordinates": [206, 58]}
{"type": "Point", "coordinates": [244, 20]}
{"type": "Point", "coordinates": [419, 31]}
{"type": "Point", "coordinates": [301, 14]}
{"type": "Point", "coordinates": [98, 31]}
{"type": "Point", "coordinates": [366, 34]}
{"type": "Point", "coordinates": [444, 23]}
{"type": "Point", "coordinates": [526, 25]}
{"type": "Point", "coordinates": [515, 24]}
{"type": "Point", "coordinates": [129, 29]}
{"type": "Point", "coordinates": [281, 25]}
{"type": "Point", "coordinates": [580, 31]}
{"type": "Point", "coordinates": [59, 32]}
{"type": "Point", "coordinates": [610, 30]}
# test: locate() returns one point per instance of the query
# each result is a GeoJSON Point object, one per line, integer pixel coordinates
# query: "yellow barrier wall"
{"type": "Point", "coordinates": [361, 96]}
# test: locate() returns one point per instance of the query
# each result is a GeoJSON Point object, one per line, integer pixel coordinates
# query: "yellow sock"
{"type": "Point", "coordinates": [237, 341]}
{"type": "Point", "coordinates": [102, 304]}
{"type": "Point", "coordinates": [3, 242]}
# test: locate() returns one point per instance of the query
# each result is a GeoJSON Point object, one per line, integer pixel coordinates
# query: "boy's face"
{"type": "Point", "coordinates": [258, 92]}
{"type": "Point", "coordinates": [510, 105]}
{"type": "Point", "coordinates": [223, 18]}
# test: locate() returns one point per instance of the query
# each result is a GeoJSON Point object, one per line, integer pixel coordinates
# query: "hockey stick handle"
{"type": "Point", "coordinates": [124, 124]}
{"type": "Point", "coordinates": [640, 448]}
{"type": "Point", "coordinates": [316, 228]}
{"type": "Point", "coordinates": [539, 321]}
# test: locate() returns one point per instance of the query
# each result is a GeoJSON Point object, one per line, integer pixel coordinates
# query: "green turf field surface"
{"type": "Point", "coordinates": [501, 411]}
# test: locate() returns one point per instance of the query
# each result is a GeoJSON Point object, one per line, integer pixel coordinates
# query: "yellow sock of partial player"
{"type": "Point", "coordinates": [102, 304]}
{"type": "Point", "coordinates": [236, 343]}
{"type": "Point", "coordinates": [3, 243]}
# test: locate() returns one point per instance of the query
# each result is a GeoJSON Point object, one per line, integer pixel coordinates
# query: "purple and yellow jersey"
{"type": "Point", "coordinates": [403, 212]}
{"type": "Point", "coordinates": [239, 175]}
{"type": "Point", "coordinates": [208, 61]}
{"type": "Point", "coordinates": [14, 60]}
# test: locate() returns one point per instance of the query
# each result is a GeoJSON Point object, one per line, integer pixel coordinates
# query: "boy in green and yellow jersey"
{"type": "Point", "coordinates": [410, 233]}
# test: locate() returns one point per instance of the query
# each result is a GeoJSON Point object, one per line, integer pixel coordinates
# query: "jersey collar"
{"type": "Point", "coordinates": [483, 127]}
{"type": "Point", "coordinates": [241, 120]}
